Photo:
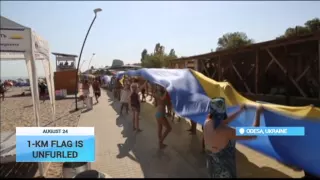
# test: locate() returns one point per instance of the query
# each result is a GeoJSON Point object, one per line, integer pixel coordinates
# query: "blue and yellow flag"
{"type": "Point", "coordinates": [191, 92]}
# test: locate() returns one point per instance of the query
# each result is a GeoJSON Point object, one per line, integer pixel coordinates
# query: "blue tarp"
{"type": "Point", "coordinates": [191, 101]}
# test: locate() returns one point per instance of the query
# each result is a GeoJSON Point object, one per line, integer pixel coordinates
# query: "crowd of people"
{"type": "Point", "coordinates": [96, 84]}
{"type": "Point", "coordinates": [128, 93]}
{"type": "Point", "coordinates": [219, 138]}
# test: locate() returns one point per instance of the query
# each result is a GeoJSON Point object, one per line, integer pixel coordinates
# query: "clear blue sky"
{"type": "Point", "coordinates": [123, 29]}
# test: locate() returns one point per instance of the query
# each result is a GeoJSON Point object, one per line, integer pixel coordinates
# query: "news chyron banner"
{"type": "Point", "coordinates": [270, 131]}
{"type": "Point", "coordinates": [55, 144]}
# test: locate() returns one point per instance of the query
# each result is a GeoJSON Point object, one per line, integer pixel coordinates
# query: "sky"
{"type": "Point", "coordinates": [124, 28]}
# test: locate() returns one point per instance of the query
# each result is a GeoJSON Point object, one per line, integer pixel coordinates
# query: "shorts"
{"type": "Point", "coordinates": [159, 115]}
{"type": "Point", "coordinates": [97, 93]}
{"type": "Point", "coordinates": [135, 108]}
{"type": "Point", "coordinates": [124, 104]}
{"type": "Point", "coordinates": [86, 92]}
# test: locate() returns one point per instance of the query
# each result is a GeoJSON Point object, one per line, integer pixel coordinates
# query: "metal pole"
{"type": "Point", "coordinates": [82, 64]}
{"type": "Point", "coordinates": [77, 80]}
{"type": "Point", "coordinates": [89, 69]}
{"type": "Point", "coordinates": [91, 60]}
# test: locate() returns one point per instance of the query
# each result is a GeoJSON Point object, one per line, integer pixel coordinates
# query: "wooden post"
{"type": "Point", "coordinates": [241, 79]}
{"type": "Point", "coordinates": [257, 72]}
{"type": "Point", "coordinates": [287, 89]}
{"type": "Point", "coordinates": [204, 67]}
{"type": "Point", "coordinates": [287, 75]}
{"type": "Point", "coordinates": [196, 65]}
{"type": "Point", "coordinates": [219, 68]}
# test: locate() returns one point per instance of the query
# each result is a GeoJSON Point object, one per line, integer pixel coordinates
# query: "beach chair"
{"type": "Point", "coordinates": [8, 147]}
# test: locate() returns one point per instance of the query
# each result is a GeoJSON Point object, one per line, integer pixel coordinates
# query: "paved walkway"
{"type": "Point", "coordinates": [123, 154]}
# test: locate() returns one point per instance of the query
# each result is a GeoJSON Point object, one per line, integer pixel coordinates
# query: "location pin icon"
{"type": "Point", "coordinates": [241, 130]}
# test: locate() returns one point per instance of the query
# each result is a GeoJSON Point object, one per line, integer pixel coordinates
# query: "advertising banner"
{"type": "Point", "coordinates": [15, 40]}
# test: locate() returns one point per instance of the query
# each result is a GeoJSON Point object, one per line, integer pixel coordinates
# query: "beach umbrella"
{"type": "Point", "coordinates": [191, 93]}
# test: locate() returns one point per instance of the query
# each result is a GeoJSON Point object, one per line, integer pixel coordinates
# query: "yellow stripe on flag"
{"type": "Point", "coordinates": [232, 97]}
{"type": "Point", "coordinates": [121, 80]}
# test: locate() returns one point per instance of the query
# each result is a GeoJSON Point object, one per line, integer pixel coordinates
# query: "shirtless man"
{"type": "Point", "coordinates": [96, 89]}
{"type": "Point", "coordinates": [86, 89]}
{"type": "Point", "coordinates": [160, 116]}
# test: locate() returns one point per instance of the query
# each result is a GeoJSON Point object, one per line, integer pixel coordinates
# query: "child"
{"type": "Point", "coordinates": [135, 106]}
{"type": "Point", "coordinates": [143, 94]}
{"type": "Point", "coordinates": [124, 100]}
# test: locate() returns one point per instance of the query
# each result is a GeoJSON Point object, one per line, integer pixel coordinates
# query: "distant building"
{"type": "Point", "coordinates": [117, 63]}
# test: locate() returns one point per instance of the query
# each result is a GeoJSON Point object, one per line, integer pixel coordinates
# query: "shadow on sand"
{"type": "Point", "coordinates": [18, 170]}
{"type": "Point", "coordinates": [183, 158]}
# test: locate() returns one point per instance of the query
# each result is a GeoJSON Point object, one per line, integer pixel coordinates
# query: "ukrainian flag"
{"type": "Point", "coordinates": [191, 91]}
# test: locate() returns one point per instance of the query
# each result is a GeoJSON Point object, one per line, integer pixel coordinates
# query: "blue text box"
{"type": "Point", "coordinates": [270, 131]}
{"type": "Point", "coordinates": [53, 148]}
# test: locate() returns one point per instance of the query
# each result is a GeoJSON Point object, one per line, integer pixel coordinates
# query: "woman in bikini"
{"type": "Point", "coordinates": [220, 139]}
{"type": "Point", "coordinates": [160, 116]}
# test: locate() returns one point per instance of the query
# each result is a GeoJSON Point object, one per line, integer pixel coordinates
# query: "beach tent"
{"type": "Point", "coordinates": [21, 43]}
{"type": "Point", "coordinates": [191, 92]}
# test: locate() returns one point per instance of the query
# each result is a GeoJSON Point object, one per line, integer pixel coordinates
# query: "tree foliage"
{"type": "Point", "coordinates": [310, 26]}
{"type": "Point", "coordinates": [233, 40]}
{"type": "Point", "coordinates": [158, 58]}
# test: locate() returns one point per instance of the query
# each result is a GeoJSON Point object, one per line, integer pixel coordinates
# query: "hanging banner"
{"type": "Point", "coordinates": [15, 40]}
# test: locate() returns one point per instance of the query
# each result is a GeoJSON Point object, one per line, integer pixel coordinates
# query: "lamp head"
{"type": "Point", "coordinates": [97, 10]}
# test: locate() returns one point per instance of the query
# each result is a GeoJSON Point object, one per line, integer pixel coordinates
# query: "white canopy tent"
{"type": "Point", "coordinates": [21, 43]}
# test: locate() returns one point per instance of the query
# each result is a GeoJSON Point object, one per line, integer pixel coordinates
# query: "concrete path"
{"type": "Point", "coordinates": [121, 153]}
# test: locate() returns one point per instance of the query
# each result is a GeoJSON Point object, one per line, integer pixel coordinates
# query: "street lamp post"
{"type": "Point", "coordinates": [82, 64]}
{"type": "Point", "coordinates": [91, 60]}
{"type": "Point", "coordinates": [84, 42]}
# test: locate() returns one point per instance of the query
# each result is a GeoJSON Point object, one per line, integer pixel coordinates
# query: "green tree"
{"type": "Point", "coordinates": [310, 26]}
{"type": "Point", "coordinates": [233, 40]}
{"type": "Point", "coordinates": [158, 58]}
{"type": "Point", "coordinates": [144, 54]}
{"type": "Point", "coordinates": [172, 53]}
{"type": "Point", "coordinates": [313, 25]}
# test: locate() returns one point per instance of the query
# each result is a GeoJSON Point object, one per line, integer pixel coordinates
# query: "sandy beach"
{"type": "Point", "coordinates": [17, 111]}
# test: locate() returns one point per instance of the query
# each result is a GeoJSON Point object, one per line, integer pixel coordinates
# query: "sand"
{"type": "Point", "coordinates": [18, 112]}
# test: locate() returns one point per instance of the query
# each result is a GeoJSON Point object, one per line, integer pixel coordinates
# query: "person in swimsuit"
{"type": "Point", "coordinates": [168, 105]}
{"type": "Point", "coordinates": [220, 139]}
{"type": "Point", "coordinates": [160, 116]}
{"type": "Point", "coordinates": [125, 96]}
{"type": "Point", "coordinates": [153, 90]}
{"type": "Point", "coordinates": [135, 107]}
{"type": "Point", "coordinates": [135, 104]}
{"type": "Point", "coordinates": [143, 93]}
{"type": "Point", "coordinates": [118, 89]}
{"type": "Point", "coordinates": [86, 89]}
{"type": "Point", "coordinates": [42, 88]}
{"type": "Point", "coordinates": [2, 90]}
{"type": "Point", "coordinates": [96, 89]}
